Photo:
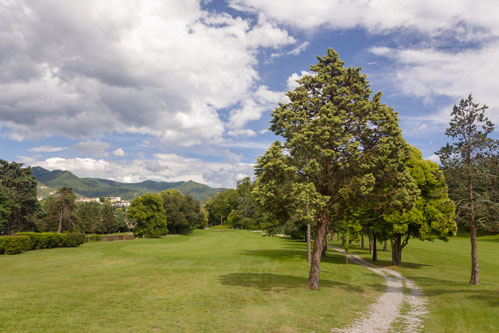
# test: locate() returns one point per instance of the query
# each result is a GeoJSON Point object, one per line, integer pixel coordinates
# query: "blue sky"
{"type": "Point", "coordinates": [176, 90]}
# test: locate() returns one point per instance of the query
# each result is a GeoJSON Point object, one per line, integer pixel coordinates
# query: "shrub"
{"type": "Point", "coordinates": [94, 238]}
{"type": "Point", "coordinates": [74, 239]}
{"type": "Point", "coordinates": [15, 244]}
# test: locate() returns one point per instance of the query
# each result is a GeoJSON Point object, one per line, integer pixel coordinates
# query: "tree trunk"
{"type": "Point", "coordinates": [475, 272]}
{"type": "Point", "coordinates": [324, 248]}
{"type": "Point", "coordinates": [61, 217]}
{"type": "Point", "coordinates": [396, 250]}
{"type": "Point", "coordinates": [370, 242]}
{"type": "Point", "coordinates": [309, 255]}
{"type": "Point", "coordinates": [313, 278]}
{"type": "Point", "coordinates": [332, 235]}
{"type": "Point", "coordinates": [362, 241]}
{"type": "Point", "coordinates": [338, 236]}
{"type": "Point", "coordinates": [385, 246]}
{"type": "Point", "coordinates": [375, 252]}
{"type": "Point", "coordinates": [10, 223]}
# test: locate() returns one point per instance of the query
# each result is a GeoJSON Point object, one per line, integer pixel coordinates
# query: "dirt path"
{"type": "Point", "coordinates": [404, 309]}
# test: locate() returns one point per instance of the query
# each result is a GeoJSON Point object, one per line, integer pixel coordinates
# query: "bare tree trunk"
{"type": "Point", "coordinates": [313, 278]}
{"type": "Point", "coordinates": [396, 250]}
{"type": "Point", "coordinates": [324, 248]}
{"type": "Point", "coordinates": [338, 236]}
{"type": "Point", "coordinates": [61, 217]}
{"type": "Point", "coordinates": [332, 235]}
{"type": "Point", "coordinates": [384, 246]}
{"type": "Point", "coordinates": [371, 246]}
{"type": "Point", "coordinates": [375, 252]}
{"type": "Point", "coordinates": [362, 241]}
{"type": "Point", "coordinates": [475, 272]}
{"type": "Point", "coordinates": [309, 255]}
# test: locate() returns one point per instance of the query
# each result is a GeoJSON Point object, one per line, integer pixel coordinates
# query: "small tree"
{"type": "Point", "coordinates": [432, 217]}
{"type": "Point", "coordinates": [469, 129]}
{"type": "Point", "coordinates": [148, 215]}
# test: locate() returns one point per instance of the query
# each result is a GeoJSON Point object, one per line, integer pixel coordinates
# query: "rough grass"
{"type": "Point", "coordinates": [223, 281]}
{"type": "Point", "coordinates": [443, 270]}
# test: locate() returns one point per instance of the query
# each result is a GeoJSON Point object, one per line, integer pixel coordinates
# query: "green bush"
{"type": "Point", "coordinates": [15, 244]}
{"type": "Point", "coordinates": [74, 239]}
{"type": "Point", "coordinates": [94, 238]}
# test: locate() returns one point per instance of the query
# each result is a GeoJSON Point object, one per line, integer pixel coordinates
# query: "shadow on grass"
{"type": "Point", "coordinates": [433, 288]}
{"type": "Point", "coordinates": [276, 282]}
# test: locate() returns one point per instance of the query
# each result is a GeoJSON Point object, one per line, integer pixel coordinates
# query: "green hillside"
{"type": "Point", "coordinates": [96, 187]}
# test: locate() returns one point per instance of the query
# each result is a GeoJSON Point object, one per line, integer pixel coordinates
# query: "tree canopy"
{"type": "Point", "coordinates": [148, 215]}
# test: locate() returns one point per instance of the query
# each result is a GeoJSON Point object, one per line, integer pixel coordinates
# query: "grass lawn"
{"type": "Point", "coordinates": [223, 281]}
{"type": "Point", "coordinates": [443, 270]}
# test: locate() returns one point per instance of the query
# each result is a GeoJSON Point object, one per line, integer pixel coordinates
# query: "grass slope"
{"type": "Point", "coordinates": [96, 187]}
{"type": "Point", "coordinates": [223, 281]}
{"type": "Point", "coordinates": [443, 270]}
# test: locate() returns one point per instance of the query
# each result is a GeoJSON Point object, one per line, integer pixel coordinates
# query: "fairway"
{"type": "Point", "coordinates": [223, 281]}
{"type": "Point", "coordinates": [442, 270]}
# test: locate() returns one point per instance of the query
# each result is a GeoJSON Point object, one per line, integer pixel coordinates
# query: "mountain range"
{"type": "Point", "coordinates": [95, 187]}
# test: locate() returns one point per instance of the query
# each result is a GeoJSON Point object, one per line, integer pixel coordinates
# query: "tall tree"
{"type": "Point", "coordinates": [468, 130]}
{"type": "Point", "coordinates": [20, 186]}
{"type": "Point", "coordinates": [336, 136]}
{"type": "Point", "coordinates": [148, 215]}
{"type": "Point", "coordinates": [6, 204]}
{"type": "Point", "coordinates": [183, 211]}
{"type": "Point", "coordinates": [65, 203]}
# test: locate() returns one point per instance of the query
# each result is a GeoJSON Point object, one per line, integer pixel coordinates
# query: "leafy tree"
{"type": "Point", "coordinates": [220, 206]}
{"type": "Point", "coordinates": [432, 217]}
{"type": "Point", "coordinates": [108, 218]}
{"type": "Point", "coordinates": [183, 211]}
{"type": "Point", "coordinates": [6, 204]}
{"type": "Point", "coordinates": [65, 204]}
{"type": "Point", "coordinates": [148, 215]}
{"type": "Point", "coordinates": [463, 160]}
{"type": "Point", "coordinates": [19, 185]}
{"type": "Point", "coordinates": [89, 217]}
{"type": "Point", "coordinates": [336, 136]}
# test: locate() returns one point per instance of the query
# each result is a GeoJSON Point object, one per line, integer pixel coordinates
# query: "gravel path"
{"type": "Point", "coordinates": [388, 308]}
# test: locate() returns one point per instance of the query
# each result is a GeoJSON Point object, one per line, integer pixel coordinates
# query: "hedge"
{"type": "Point", "coordinates": [25, 241]}
{"type": "Point", "coordinates": [15, 244]}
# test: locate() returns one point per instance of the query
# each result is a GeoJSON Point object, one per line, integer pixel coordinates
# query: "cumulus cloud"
{"type": "Point", "coordinates": [95, 148]}
{"type": "Point", "coordinates": [162, 167]}
{"type": "Point", "coordinates": [119, 152]}
{"type": "Point", "coordinates": [292, 84]}
{"type": "Point", "coordinates": [467, 19]}
{"type": "Point", "coordinates": [47, 149]}
{"type": "Point", "coordinates": [263, 99]}
{"type": "Point", "coordinates": [162, 68]}
{"type": "Point", "coordinates": [433, 158]}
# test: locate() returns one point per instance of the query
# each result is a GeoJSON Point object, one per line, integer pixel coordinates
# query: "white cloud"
{"type": "Point", "coordinates": [242, 132]}
{"type": "Point", "coordinates": [163, 167]}
{"type": "Point", "coordinates": [292, 84]}
{"type": "Point", "coordinates": [429, 73]}
{"type": "Point", "coordinates": [162, 68]}
{"type": "Point", "coordinates": [466, 19]}
{"type": "Point", "coordinates": [47, 149]}
{"type": "Point", "coordinates": [254, 105]}
{"type": "Point", "coordinates": [119, 152]}
{"type": "Point", "coordinates": [433, 158]}
{"type": "Point", "coordinates": [93, 148]}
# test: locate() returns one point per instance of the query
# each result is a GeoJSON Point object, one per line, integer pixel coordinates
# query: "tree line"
{"type": "Point", "coordinates": [20, 210]}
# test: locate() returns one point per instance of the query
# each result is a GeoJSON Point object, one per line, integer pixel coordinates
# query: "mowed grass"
{"type": "Point", "coordinates": [442, 270]}
{"type": "Point", "coordinates": [210, 281]}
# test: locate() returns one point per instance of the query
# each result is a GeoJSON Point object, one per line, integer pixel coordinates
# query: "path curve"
{"type": "Point", "coordinates": [387, 310]}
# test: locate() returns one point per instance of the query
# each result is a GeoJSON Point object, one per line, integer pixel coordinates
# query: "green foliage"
{"type": "Point", "coordinates": [148, 215]}
{"type": "Point", "coordinates": [183, 212]}
{"type": "Point", "coordinates": [220, 206]}
{"type": "Point", "coordinates": [48, 240]}
{"type": "Point", "coordinates": [93, 238]}
{"type": "Point", "coordinates": [14, 244]}
{"type": "Point", "coordinates": [95, 187]}
{"type": "Point", "coordinates": [18, 202]}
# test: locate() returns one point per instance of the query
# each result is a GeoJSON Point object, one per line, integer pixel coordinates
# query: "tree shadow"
{"type": "Point", "coordinates": [388, 263]}
{"type": "Point", "coordinates": [432, 289]}
{"type": "Point", "coordinates": [279, 282]}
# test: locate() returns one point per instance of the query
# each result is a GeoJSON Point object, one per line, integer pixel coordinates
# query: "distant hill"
{"type": "Point", "coordinates": [96, 187]}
